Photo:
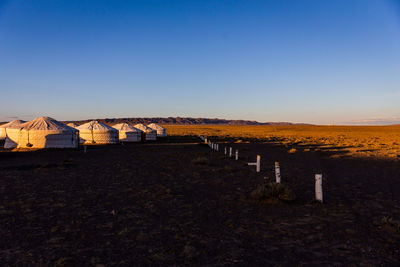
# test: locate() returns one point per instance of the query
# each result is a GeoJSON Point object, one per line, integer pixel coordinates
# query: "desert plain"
{"type": "Point", "coordinates": [355, 141]}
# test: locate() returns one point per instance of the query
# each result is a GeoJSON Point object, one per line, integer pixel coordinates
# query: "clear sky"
{"type": "Point", "coordinates": [300, 61]}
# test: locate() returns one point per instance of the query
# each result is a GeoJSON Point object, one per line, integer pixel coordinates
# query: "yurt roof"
{"type": "Point", "coordinates": [155, 126]}
{"type": "Point", "coordinates": [126, 127]}
{"type": "Point", "coordinates": [72, 124]}
{"type": "Point", "coordinates": [12, 124]}
{"type": "Point", "coordinates": [46, 124]}
{"type": "Point", "coordinates": [143, 127]}
{"type": "Point", "coordinates": [95, 125]}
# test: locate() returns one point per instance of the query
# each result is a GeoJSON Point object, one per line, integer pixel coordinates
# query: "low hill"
{"type": "Point", "coordinates": [184, 121]}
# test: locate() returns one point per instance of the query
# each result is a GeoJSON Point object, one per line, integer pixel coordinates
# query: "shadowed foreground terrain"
{"type": "Point", "coordinates": [178, 202]}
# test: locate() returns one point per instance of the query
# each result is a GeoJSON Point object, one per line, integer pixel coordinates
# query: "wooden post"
{"type": "Point", "coordinates": [236, 155]}
{"type": "Point", "coordinates": [205, 140]}
{"type": "Point", "coordinates": [230, 152]}
{"type": "Point", "coordinates": [277, 173]}
{"type": "Point", "coordinates": [217, 147]}
{"type": "Point", "coordinates": [257, 164]}
{"type": "Point", "coordinates": [318, 188]}
{"type": "Point", "coordinates": [84, 149]}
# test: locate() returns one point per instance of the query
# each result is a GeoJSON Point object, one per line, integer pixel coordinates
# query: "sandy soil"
{"type": "Point", "coordinates": [354, 141]}
{"type": "Point", "coordinates": [151, 204]}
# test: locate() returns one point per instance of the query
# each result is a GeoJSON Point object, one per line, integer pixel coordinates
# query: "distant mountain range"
{"type": "Point", "coordinates": [183, 121]}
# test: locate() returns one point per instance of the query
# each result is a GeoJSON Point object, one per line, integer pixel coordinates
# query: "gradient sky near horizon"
{"type": "Point", "coordinates": [307, 61]}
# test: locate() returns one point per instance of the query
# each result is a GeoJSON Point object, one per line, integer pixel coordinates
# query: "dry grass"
{"type": "Point", "coordinates": [200, 161]}
{"type": "Point", "coordinates": [273, 191]}
{"type": "Point", "coordinates": [379, 141]}
{"type": "Point", "coordinates": [390, 224]}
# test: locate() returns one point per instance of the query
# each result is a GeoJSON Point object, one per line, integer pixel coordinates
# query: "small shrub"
{"type": "Point", "coordinates": [66, 163]}
{"type": "Point", "coordinates": [46, 165]}
{"type": "Point", "coordinates": [386, 220]}
{"type": "Point", "coordinates": [273, 191]}
{"type": "Point", "coordinates": [227, 168]}
{"type": "Point", "coordinates": [201, 161]}
{"type": "Point", "coordinates": [189, 251]}
{"type": "Point", "coordinates": [390, 224]}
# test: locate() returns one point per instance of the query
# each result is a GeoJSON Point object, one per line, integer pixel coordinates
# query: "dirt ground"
{"type": "Point", "coordinates": [154, 204]}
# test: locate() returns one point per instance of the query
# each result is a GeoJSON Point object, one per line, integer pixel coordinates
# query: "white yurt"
{"type": "Point", "coordinates": [42, 132]}
{"type": "Point", "coordinates": [128, 133]}
{"type": "Point", "coordinates": [161, 131]}
{"type": "Point", "coordinates": [72, 124]}
{"type": "Point", "coordinates": [150, 133]}
{"type": "Point", "coordinates": [95, 132]}
{"type": "Point", "coordinates": [3, 127]}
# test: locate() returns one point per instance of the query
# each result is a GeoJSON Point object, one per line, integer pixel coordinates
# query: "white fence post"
{"type": "Point", "coordinates": [257, 164]}
{"type": "Point", "coordinates": [230, 152]}
{"type": "Point", "coordinates": [318, 188]}
{"type": "Point", "coordinates": [84, 149]}
{"type": "Point", "coordinates": [217, 147]}
{"type": "Point", "coordinates": [277, 173]}
{"type": "Point", "coordinates": [225, 151]}
{"type": "Point", "coordinates": [236, 155]}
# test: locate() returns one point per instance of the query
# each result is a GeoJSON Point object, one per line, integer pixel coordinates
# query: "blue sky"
{"type": "Point", "coordinates": [301, 61]}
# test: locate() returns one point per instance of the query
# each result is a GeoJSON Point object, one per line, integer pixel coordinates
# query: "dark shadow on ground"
{"type": "Point", "coordinates": [180, 203]}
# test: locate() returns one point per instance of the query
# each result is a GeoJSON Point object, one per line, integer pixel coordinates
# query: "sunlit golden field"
{"type": "Point", "coordinates": [374, 141]}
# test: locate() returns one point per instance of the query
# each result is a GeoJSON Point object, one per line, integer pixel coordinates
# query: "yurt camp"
{"type": "Point", "coordinates": [161, 131]}
{"type": "Point", "coordinates": [128, 133]}
{"type": "Point", "coordinates": [11, 124]}
{"type": "Point", "coordinates": [42, 132]}
{"type": "Point", "coordinates": [72, 124]}
{"type": "Point", "coordinates": [150, 133]}
{"type": "Point", "coordinates": [97, 133]}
